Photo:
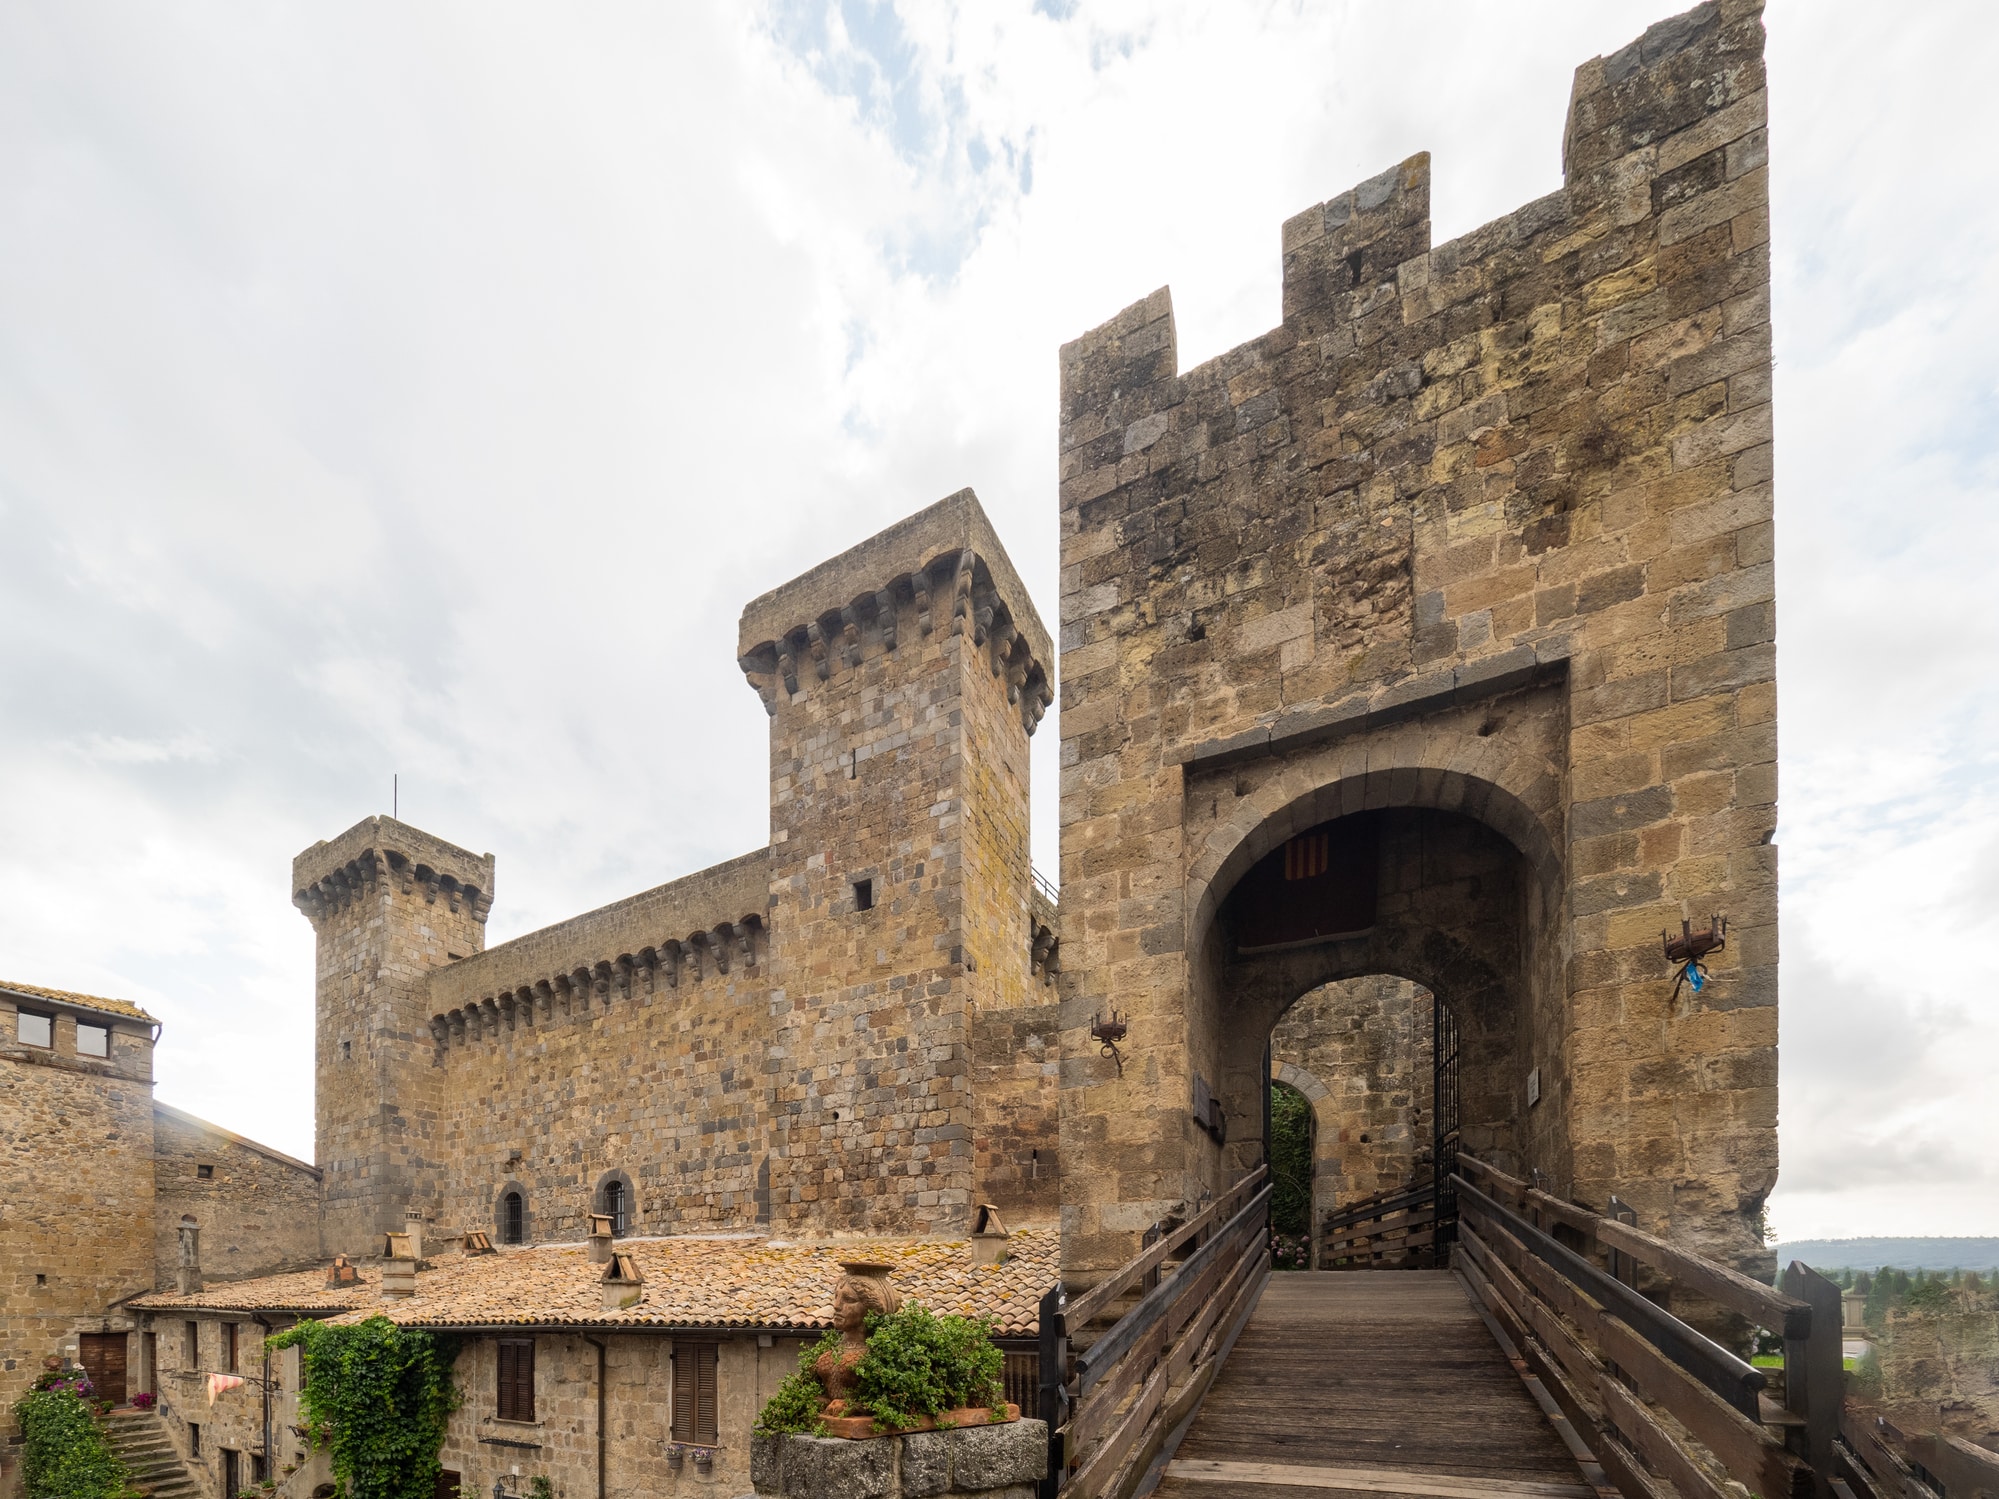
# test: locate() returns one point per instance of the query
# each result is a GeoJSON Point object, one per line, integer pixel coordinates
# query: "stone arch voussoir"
{"type": "Point", "coordinates": [1511, 792]}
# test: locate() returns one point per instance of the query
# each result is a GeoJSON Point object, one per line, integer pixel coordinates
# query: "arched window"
{"type": "Point", "coordinates": [513, 1219]}
{"type": "Point", "coordinates": [618, 1206]}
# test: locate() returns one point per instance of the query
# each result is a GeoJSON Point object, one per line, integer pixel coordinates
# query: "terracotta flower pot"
{"type": "Point", "coordinates": [857, 1428]}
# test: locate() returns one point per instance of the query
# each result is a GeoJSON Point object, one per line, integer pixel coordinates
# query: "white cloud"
{"type": "Point", "coordinates": [423, 392]}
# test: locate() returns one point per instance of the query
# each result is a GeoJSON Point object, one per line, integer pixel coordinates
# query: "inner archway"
{"type": "Point", "coordinates": [1368, 1043]}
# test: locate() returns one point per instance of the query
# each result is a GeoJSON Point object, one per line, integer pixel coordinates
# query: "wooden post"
{"type": "Point", "coordinates": [1815, 1374]}
{"type": "Point", "coordinates": [1054, 1395]}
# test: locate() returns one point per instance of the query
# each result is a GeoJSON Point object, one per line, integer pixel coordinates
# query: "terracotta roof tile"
{"type": "Point", "coordinates": [697, 1282]}
{"type": "Point", "coordinates": [82, 1001]}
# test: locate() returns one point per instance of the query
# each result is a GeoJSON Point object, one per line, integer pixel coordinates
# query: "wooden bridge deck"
{"type": "Point", "coordinates": [1376, 1382]}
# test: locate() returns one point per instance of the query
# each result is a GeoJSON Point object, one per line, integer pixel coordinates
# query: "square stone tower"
{"type": "Point", "coordinates": [388, 903]}
{"type": "Point", "coordinates": [903, 679]}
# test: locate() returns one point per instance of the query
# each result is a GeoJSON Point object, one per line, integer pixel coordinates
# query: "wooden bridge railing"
{"type": "Point", "coordinates": [1665, 1409]}
{"type": "Point", "coordinates": [1654, 1398]}
{"type": "Point", "coordinates": [1112, 1394]}
{"type": "Point", "coordinates": [1396, 1229]}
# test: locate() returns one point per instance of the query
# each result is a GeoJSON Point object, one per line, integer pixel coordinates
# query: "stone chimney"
{"type": "Point", "coordinates": [399, 1267]}
{"type": "Point", "coordinates": [187, 1275]}
{"type": "Point", "coordinates": [989, 1237]}
{"type": "Point", "coordinates": [624, 1285]}
{"type": "Point", "coordinates": [600, 1238]}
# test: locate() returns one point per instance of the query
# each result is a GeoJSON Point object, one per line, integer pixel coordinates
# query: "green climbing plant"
{"type": "Point", "coordinates": [1290, 1160]}
{"type": "Point", "coordinates": [794, 1406]}
{"type": "Point", "coordinates": [63, 1451]}
{"type": "Point", "coordinates": [378, 1397]}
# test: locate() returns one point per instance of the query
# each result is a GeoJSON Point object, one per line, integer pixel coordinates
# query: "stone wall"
{"type": "Point", "coordinates": [76, 1165]}
{"type": "Point", "coordinates": [235, 1421]}
{"type": "Point", "coordinates": [611, 1042]}
{"type": "Point", "coordinates": [1537, 458]}
{"type": "Point", "coordinates": [257, 1208]}
{"type": "Point", "coordinates": [561, 1443]}
{"type": "Point", "coordinates": [1360, 1051]}
{"type": "Point", "coordinates": [1016, 1085]}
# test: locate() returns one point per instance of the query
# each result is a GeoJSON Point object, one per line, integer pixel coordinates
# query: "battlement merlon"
{"type": "Point", "coordinates": [944, 563]}
{"type": "Point", "coordinates": [327, 876]}
{"type": "Point", "coordinates": [1654, 130]}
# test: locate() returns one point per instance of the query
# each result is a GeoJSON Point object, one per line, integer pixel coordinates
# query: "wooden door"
{"type": "Point", "coordinates": [447, 1485]}
{"type": "Point", "coordinates": [103, 1356]}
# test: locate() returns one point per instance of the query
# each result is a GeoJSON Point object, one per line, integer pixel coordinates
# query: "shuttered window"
{"type": "Point", "coordinates": [694, 1393]}
{"type": "Point", "coordinates": [516, 1379]}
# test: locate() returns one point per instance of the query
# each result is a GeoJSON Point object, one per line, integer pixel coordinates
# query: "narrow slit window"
{"type": "Point", "coordinates": [864, 895]}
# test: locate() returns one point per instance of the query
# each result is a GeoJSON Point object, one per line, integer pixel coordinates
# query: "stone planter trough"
{"type": "Point", "coordinates": [1005, 1461]}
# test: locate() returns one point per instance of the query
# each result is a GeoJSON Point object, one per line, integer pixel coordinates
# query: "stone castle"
{"type": "Point", "coordinates": [1422, 646]}
{"type": "Point", "coordinates": [851, 1030]}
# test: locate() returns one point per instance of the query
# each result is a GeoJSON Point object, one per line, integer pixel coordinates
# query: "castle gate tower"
{"type": "Point", "coordinates": [903, 679]}
{"type": "Point", "coordinates": [1432, 635]}
{"type": "Point", "coordinates": [388, 903]}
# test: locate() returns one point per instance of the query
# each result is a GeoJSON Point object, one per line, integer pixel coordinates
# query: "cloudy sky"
{"type": "Point", "coordinates": [421, 391]}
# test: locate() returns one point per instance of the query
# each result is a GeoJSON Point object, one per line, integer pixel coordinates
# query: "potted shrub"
{"type": "Point", "coordinates": [888, 1368]}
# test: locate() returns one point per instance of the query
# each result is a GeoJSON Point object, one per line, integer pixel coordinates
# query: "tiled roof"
{"type": "Point", "coordinates": [82, 1001]}
{"type": "Point", "coordinates": [296, 1291]}
{"type": "Point", "coordinates": [719, 1282]}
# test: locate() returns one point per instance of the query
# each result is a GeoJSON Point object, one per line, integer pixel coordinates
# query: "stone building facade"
{"type": "Point", "coordinates": [1452, 593]}
{"type": "Point", "coordinates": [101, 1184]}
{"type": "Point", "coordinates": [658, 1395]}
{"type": "Point", "coordinates": [787, 1041]}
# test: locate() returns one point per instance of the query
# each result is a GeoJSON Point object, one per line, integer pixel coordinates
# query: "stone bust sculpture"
{"type": "Point", "coordinates": [863, 1288]}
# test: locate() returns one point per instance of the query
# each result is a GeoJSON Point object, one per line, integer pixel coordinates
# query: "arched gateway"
{"type": "Point", "coordinates": [1432, 634]}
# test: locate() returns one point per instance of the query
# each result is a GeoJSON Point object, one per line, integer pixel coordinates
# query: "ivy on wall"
{"type": "Point", "coordinates": [377, 1396]}
{"type": "Point", "coordinates": [63, 1451]}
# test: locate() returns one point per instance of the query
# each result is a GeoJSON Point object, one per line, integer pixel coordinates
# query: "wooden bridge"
{"type": "Point", "coordinates": [1535, 1359]}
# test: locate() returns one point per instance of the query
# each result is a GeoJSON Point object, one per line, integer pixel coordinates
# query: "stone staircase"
{"type": "Point", "coordinates": [140, 1439]}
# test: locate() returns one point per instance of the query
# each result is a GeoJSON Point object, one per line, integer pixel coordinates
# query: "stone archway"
{"type": "Point", "coordinates": [1449, 903]}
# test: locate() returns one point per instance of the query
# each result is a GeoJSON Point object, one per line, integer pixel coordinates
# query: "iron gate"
{"type": "Point", "coordinates": [1445, 1135]}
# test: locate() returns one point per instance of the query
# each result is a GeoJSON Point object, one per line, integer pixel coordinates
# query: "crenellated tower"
{"type": "Point", "coordinates": [388, 904]}
{"type": "Point", "coordinates": [903, 679]}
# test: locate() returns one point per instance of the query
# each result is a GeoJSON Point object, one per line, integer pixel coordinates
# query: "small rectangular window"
{"type": "Point", "coordinates": [516, 1384]}
{"type": "Point", "coordinates": [93, 1040]}
{"type": "Point", "coordinates": [36, 1030]}
{"type": "Point", "coordinates": [190, 1346]}
{"type": "Point", "coordinates": [230, 1332]}
{"type": "Point", "coordinates": [694, 1369]}
{"type": "Point", "coordinates": [864, 895]}
{"type": "Point", "coordinates": [204, 1171]}
{"type": "Point", "coordinates": [193, 1440]}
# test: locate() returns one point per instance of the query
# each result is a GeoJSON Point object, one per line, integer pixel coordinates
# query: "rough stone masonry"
{"type": "Point", "coordinates": [1465, 568]}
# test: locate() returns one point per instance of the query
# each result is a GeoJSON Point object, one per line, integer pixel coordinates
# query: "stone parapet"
{"type": "Point", "coordinates": [943, 568]}
{"type": "Point", "coordinates": [329, 875]}
{"type": "Point", "coordinates": [700, 925]}
{"type": "Point", "coordinates": [992, 1462]}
